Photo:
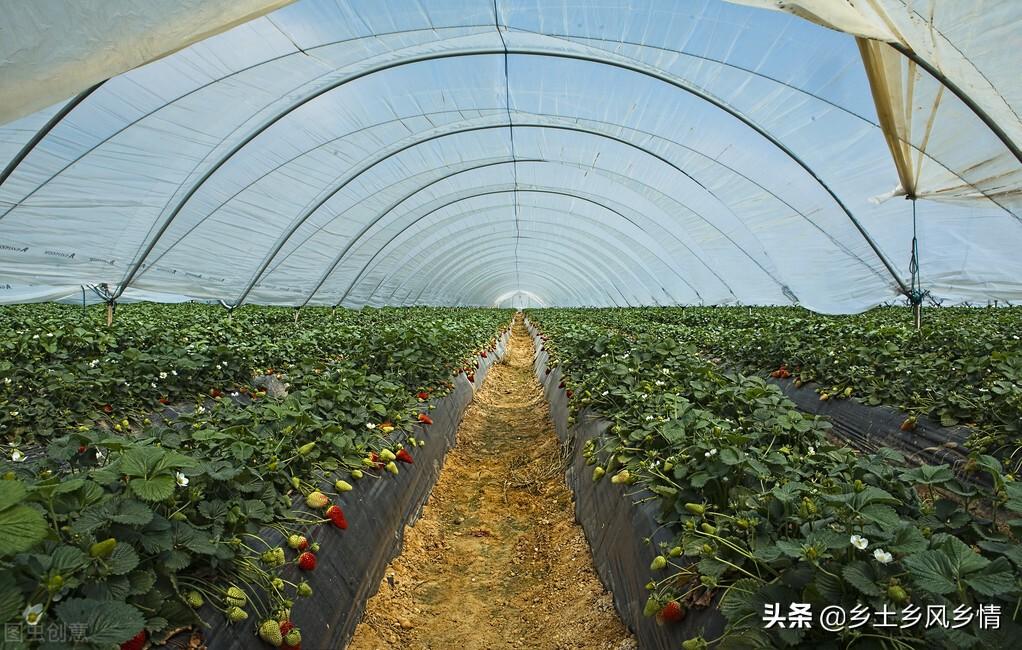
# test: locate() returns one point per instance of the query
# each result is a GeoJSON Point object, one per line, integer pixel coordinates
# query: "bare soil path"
{"type": "Point", "coordinates": [496, 560]}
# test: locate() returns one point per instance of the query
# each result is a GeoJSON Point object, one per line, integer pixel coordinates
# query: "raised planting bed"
{"type": "Point", "coordinates": [351, 562]}
{"type": "Point", "coordinates": [199, 493]}
{"type": "Point", "coordinates": [767, 514]}
{"type": "Point", "coordinates": [622, 526]}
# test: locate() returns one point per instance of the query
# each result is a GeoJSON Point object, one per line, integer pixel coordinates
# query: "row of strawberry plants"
{"type": "Point", "coordinates": [963, 367]}
{"type": "Point", "coordinates": [61, 365]}
{"type": "Point", "coordinates": [772, 516]}
{"type": "Point", "coordinates": [125, 526]}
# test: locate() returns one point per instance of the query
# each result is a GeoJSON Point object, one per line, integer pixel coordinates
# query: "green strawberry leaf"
{"type": "Point", "coordinates": [21, 528]}
{"type": "Point", "coordinates": [103, 623]}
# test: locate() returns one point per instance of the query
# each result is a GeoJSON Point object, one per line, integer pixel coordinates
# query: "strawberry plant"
{"type": "Point", "coordinates": [767, 510]}
{"type": "Point", "coordinates": [145, 475]}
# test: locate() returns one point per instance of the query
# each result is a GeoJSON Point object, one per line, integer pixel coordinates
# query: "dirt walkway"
{"type": "Point", "coordinates": [496, 561]}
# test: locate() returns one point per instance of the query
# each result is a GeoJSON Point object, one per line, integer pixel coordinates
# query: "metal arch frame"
{"type": "Point", "coordinates": [442, 288]}
{"type": "Point", "coordinates": [635, 68]}
{"type": "Point", "coordinates": [585, 267]}
{"type": "Point", "coordinates": [528, 190]}
{"type": "Point", "coordinates": [585, 274]}
{"type": "Point", "coordinates": [936, 74]}
{"type": "Point", "coordinates": [710, 159]}
{"type": "Point", "coordinates": [447, 221]}
{"type": "Point", "coordinates": [351, 177]}
{"type": "Point", "coordinates": [51, 123]}
{"type": "Point", "coordinates": [561, 264]}
{"type": "Point", "coordinates": [355, 240]}
{"type": "Point", "coordinates": [271, 171]}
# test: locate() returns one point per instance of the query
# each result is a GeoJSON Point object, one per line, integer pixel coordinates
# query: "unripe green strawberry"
{"type": "Point", "coordinates": [668, 466]}
{"type": "Point", "coordinates": [194, 599]}
{"type": "Point", "coordinates": [652, 606]}
{"type": "Point", "coordinates": [368, 462]}
{"type": "Point", "coordinates": [314, 547]}
{"type": "Point", "coordinates": [103, 549]}
{"type": "Point", "coordinates": [392, 467]}
{"type": "Point", "coordinates": [675, 551]}
{"type": "Point", "coordinates": [658, 563]}
{"type": "Point", "coordinates": [621, 477]}
{"type": "Point", "coordinates": [236, 597]}
{"type": "Point", "coordinates": [707, 549]}
{"type": "Point", "coordinates": [342, 486]}
{"type": "Point", "coordinates": [294, 541]}
{"type": "Point", "coordinates": [317, 499]}
{"type": "Point", "coordinates": [269, 631]}
{"type": "Point", "coordinates": [236, 614]}
{"type": "Point", "coordinates": [356, 474]}
{"type": "Point", "coordinates": [709, 529]}
{"type": "Point", "coordinates": [695, 508]}
{"type": "Point", "coordinates": [387, 455]}
{"type": "Point", "coordinates": [598, 473]}
{"type": "Point", "coordinates": [277, 584]}
{"type": "Point", "coordinates": [304, 589]}
{"type": "Point", "coordinates": [698, 643]}
{"type": "Point", "coordinates": [306, 448]}
{"type": "Point", "coordinates": [55, 583]}
{"type": "Point", "coordinates": [178, 516]}
{"type": "Point", "coordinates": [296, 482]}
{"type": "Point", "coordinates": [897, 594]}
{"type": "Point", "coordinates": [293, 638]}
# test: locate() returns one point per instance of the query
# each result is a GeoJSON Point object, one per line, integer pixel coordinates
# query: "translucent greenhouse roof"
{"type": "Point", "coordinates": [549, 152]}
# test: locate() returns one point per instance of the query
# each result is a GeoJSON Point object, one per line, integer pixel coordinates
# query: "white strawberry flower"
{"type": "Point", "coordinates": [94, 363]}
{"type": "Point", "coordinates": [605, 393]}
{"type": "Point", "coordinates": [181, 479]}
{"type": "Point", "coordinates": [370, 426]}
{"type": "Point", "coordinates": [174, 372]}
{"type": "Point", "coordinates": [200, 410]}
{"type": "Point", "coordinates": [859, 542]}
{"type": "Point", "coordinates": [33, 614]}
{"type": "Point", "coordinates": [649, 418]}
{"type": "Point", "coordinates": [18, 457]}
{"type": "Point", "coordinates": [163, 375]}
{"type": "Point", "coordinates": [14, 414]}
{"type": "Point", "coordinates": [152, 384]}
{"type": "Point", "coordinates": [35, 337]}
{"type": "Point", "coordinates": [882, 556]}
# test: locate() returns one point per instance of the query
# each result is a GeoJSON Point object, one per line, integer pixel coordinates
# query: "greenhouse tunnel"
{"type": "Point", "coordinates": [594, 154]}
{"type": "Point", "coordinates": [610, 324]}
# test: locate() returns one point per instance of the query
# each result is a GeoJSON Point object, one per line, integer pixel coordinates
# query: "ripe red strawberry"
{"type": "Point", "coordinates": [82, 449]}
{"type": "Point", "coordinates": [136, 642]}
{"type": "Point", "coordinates": [215, 392]}
{"type": "Point", "coordinates": [570, 393]}
{"type": "Point", "coordinates": [336, 517]}
{"type": "Point", "coordinates": [483, 355]}
{"type": "Point", "coordinates": [547, 371]}
{"type": "Point", "coordinates": [423, 395]}
{"type": "Point", "coordinates": [285, 627]}
{"type": "Point", "coordinates": [306, 561]}
{"type": "Point", "coordinates": [560, 385]}
{"type": "Point", "coordinates": [471, 377]}
{"type": "Point", "coordinates": [164, 400]}
{"type": "Point", "coordinates": [108, 409]}
{"type": "Point", "coordinates": [672, 612]}
{"type": "Point", "coordinates": [403, 456]}
{"type": "Point", "coordinates": [425, 419]}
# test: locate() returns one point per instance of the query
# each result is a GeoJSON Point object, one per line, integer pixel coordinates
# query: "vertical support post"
{"type": "Point", "coordinates": [109, 313]}
{"type": "Point", "coordinates": [916, 294]}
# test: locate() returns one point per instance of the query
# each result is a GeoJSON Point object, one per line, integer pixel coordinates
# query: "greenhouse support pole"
{"type": "Point", "coordinates": [109, 313]}
{"type": "Point", "coordinates": [916, 294]}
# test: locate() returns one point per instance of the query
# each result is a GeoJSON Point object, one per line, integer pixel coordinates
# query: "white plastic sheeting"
{"type": "Point", "coordinates": [470, 152]}
{"type": "Point", "coordinates": [51, 49]}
